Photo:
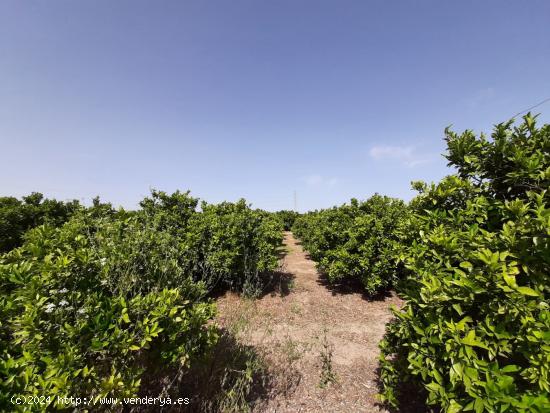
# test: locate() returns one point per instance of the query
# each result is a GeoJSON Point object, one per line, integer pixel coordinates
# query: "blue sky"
{"type": "Point", "coordinates": [256, 99]}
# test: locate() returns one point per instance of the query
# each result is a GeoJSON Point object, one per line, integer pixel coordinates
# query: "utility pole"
{"type": "Point", "coordinates": [295, 202]}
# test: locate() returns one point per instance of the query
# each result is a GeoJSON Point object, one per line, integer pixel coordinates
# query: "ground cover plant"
{"type": "Point", "coordinates": [90, 307]}
{"type": "Point", "coordinates": [475, 330]}
{"type": "Point", "coordinates": [357, 241]}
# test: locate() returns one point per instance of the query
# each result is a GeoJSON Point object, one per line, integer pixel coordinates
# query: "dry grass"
{"type": "Point", "coordinates": [319, 347]}
{"type": "Point", "coordinates": [299, 347]}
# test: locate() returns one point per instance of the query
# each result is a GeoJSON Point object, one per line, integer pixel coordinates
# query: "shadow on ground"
{"type": "Point", "coordinates": [350, 286]}
{"type": "Point", "coordinates": [278, 283]}
{"type": "Point", "coordinates": [233, 378]}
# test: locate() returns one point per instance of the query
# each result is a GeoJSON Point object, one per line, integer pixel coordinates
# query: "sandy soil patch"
{"type": "Point", "coordinates": [320, 345]}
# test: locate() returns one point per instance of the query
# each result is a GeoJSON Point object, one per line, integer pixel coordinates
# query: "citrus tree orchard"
{"type": "Point", "coordinates": [90, 306]}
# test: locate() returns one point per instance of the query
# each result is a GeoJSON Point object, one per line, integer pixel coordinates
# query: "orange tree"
{"type": "Point", "coordinates": [357, 241]}
{"type": "Point", "coordinates": [92, 306]}
{"type": "Point", "coordinates": [475, 330]}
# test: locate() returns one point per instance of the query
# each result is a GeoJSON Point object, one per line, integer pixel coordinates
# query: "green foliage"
{"type": "Point", "coordinates": [228, 245]}
{"type": "Point", "coordinates": [87, 307]}
{"type": "Point", "coordinates": [359, 241]}
{"type": "Point", "coordinates": [324, 230]}
{"type": "Point", "coordinates": [475, 328]}
{"type": "Point", "coordinates": [18, 216]}
{"type": "Point", "coordinates": [287, 217]}
{"type": "Point", "coordinates": [237, 245]}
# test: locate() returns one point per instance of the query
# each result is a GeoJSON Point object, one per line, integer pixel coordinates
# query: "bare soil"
{"type": "Point", "coordinates": [319, 343]}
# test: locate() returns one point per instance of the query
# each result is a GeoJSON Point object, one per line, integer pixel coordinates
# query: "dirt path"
{"type": "Point", "coordinates": [320, 345]}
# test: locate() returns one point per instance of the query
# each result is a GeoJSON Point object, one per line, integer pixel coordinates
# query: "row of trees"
{"type": "Point", "coordinates": [19, 215]}
{"type": "Point", "coordinates": [471, 257]}
{"type": "Point", "coordinates": [90, 306]}
{"type": "Point", "coordinates": [91, 299]}
{"type": "Point", "coordinates": [356, 242]}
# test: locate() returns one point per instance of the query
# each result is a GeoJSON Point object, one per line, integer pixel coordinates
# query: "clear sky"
{"type": "Point", "coordinates": [256, 99]}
